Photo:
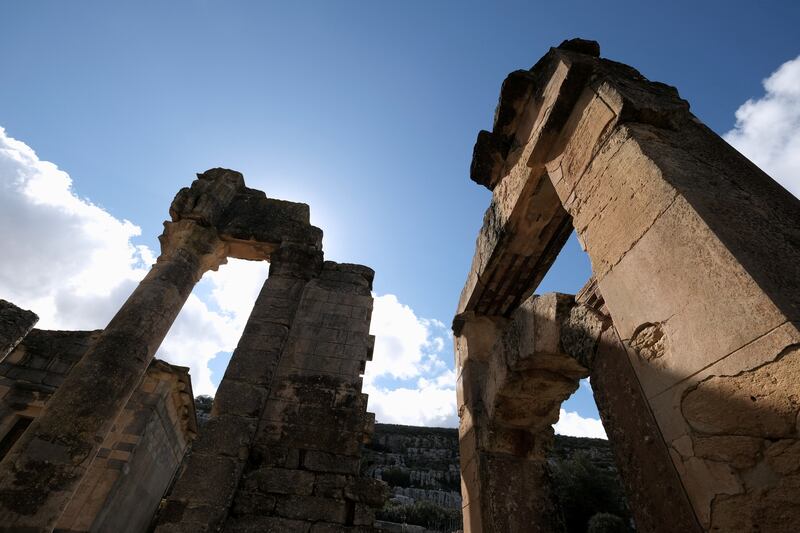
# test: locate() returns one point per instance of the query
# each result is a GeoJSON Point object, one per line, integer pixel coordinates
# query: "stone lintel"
{"type": "Point", "coordinates": [252, 225]}
{"type": "Point", "coordinates": [520, 160]}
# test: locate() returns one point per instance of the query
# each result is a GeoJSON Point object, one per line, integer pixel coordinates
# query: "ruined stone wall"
{"type": "Point", "coordinates": [695, 253]}
{"type": "Point", "coordinates": [34, 370]}
{"type": "Point", "coordinates": [281, 450]}
{"type": "Point", "coordinates": [137, 459]}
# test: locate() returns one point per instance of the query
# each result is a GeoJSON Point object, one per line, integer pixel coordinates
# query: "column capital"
{"type": "Point", "coordinates": [189, 240]}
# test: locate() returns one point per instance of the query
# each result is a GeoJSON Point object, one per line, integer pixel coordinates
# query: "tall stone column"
{"type": "Point", "coordinates": [42, 471]}
{"type": "Point", "coordinates": [202, 496]}
{"type": "Point", "coordinates": [513, 376]}
{"type": "Point", "coordinates": [696, 253]}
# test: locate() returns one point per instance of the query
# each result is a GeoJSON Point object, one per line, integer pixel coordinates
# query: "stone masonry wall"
{"type": "Point", "coordinates": [307, 450]}
{"type": "Point", "coordinates": [696, 253]}
{"type": "Point", "coordinates": [281, 450]}
{"type": "Point", "coordinates": [137, 459]}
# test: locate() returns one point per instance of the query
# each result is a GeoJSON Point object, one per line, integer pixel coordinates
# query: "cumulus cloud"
{"type": "Point", "coordinates": [212, 325]}
{"type": "Point", "coordinates": [408, 380]}
{"type": "Point", "coordinates": [767, 129]}
{"type": "Point", "coordinates": [572, 424]}
{"type": "Point", "coordinates": [67, 259]}
{"type": "Point", "coordinates": [74, 264]}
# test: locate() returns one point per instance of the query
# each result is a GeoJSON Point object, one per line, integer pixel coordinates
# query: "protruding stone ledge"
{"type": "Point", "coordinates": [15, 323]}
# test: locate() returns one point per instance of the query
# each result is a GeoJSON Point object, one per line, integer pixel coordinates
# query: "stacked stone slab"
{"type": "Point", "coordinates": [289, 408]}
{"type": "Point", "coordinates": [15, 323]}
{"type": "Point", "coordinates": [281, 451]}
{"type": "Point", "coordinates": [696, 263]}
{"type": "Point", "coordinates": [138, 457]}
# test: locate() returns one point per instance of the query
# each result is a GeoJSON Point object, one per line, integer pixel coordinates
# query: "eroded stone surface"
{"type": "Point", "coordinates": [289, 415]}
{"type": "Point", "coordinates": [15, 323]}
{"type": "Point", "coordinates": [682, 232]}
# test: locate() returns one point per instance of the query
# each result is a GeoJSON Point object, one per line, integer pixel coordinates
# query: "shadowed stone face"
{"type": "Point", "coordinates": [15, 323]}
{"type": "Point", "coordinates": [694, 375]}
{"type": "Point", "coordinates": [251, 225]}
{"type": "Point", "coordinates": [310, 328]}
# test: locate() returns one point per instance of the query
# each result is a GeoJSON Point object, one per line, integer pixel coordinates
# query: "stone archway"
{"type": "Point", "coordinates": [281, 449]}
{"type": "Point", "coordinates": [694, 253]}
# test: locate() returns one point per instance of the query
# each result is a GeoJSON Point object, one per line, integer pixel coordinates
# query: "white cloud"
{"type": "Point", "coordinates": [66, 258]}
{"type": "Point", "coordinates": [767, 129]}
{"type": "Point", "coordinates": [572, 424]}
{"type": "Point", "coordinates": [74, 264]}
{"type": "Point", "coordinates": [427, 405]}
{"type": "Point", "coordinates": [408, 347]}
{"type": "Point", "coordinates": [401, 340]}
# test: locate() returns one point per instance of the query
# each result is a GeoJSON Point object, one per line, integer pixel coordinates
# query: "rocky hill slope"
{"type": "Point", "coordinates": [421, 466]}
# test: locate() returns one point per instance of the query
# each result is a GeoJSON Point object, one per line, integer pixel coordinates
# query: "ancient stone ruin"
{"type": "Point", "coordinates": [94, 429]}
{"type": "Point", "coordinates": [688, 327]}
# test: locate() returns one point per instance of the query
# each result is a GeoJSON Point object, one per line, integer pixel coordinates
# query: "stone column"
{"type": "Point", "coordinates": [201, 498]}
{"type": "Point", "coordinates": [281, 450]}
{"type": "Point", "coordinates": [513, 376]}
{"type": "Point", "coordinates": [697, 255]}
{"type": "Point", "coordinates": [652, 484]}
{"type": "Point", "coordinates": [42, 471]}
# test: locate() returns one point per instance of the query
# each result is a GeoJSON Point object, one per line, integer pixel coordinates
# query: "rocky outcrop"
{"type": "Point", "coordinates": [421, 467]}
{"type": "Point", "coordinates": [418, 463]}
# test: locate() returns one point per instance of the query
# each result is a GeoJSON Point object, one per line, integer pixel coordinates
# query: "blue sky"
{"type": "Point", "coordinates": [365, 110]}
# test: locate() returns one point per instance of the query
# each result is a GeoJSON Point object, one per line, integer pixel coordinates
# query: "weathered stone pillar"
{"type": "Point", "coordinates": [281, 450]}
{"type": "Point", "coordinates": [201, 499]}
{"type": "Point", "coordinates": [40, 474]}
{"type": "Point", "coordinates": [696, 253]}
{"type": "Point", "coordinates": [639, 450]}
{"type": "Point", "coordinates": [513, 376]}
{"type": "Point", "coordinates": [303, 475]}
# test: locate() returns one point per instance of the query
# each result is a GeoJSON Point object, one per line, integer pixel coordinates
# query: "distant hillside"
{"type": "Point", "coordinates": [420, 464]}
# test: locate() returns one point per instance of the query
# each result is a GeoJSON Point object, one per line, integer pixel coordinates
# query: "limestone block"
{"type": "Point", "coordinates": [208, 196]}
{"type": "Point", "coordinates": [676, 296]}
{"type": "Point", "coordinates": [15, 323]}
{"type": "Point", "coordinates": [281, 481]}
{"type": "Point", "coordinates": [318, 461]}
{"type": "Point", "coordinates": [265, 524]}
{"type": "Point", "coordinates": [330, 486]}
{"type": "Point", "coordinates": [312, 508]}
{"type": "Point", "coordinates": [250, 503]}
{"type": "Point", "coordinates": [239, 398]}
{"type": "Point", "coordinates": [762, 402]}
{"type": "Point", "coordinates": [255, 366]}
{"type": "Point", "coordinates": [202, 485]}
{"type": "Point", "coordinates": [226, 434]}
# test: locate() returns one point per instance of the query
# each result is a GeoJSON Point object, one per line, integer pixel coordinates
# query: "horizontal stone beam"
{"type": "Point", "coordinates": [535, 130]}
{"type": "Point", "coordinates": [251, 224]}
{"type": "Point", "coordinates": [15, 323]}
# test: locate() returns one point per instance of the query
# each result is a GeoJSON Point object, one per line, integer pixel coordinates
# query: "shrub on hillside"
{"type": "Point", "coordinates": [584, 490]}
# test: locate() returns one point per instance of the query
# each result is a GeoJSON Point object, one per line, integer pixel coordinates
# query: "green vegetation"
{"type": "Point", "coordinates": [396, 477]}
{"type": "Point", "coordinates": [607, 523]}
{"type": "Point", "coordinates": [425, 514]}
{"type": "Point", "coordinates": [589, 496]}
